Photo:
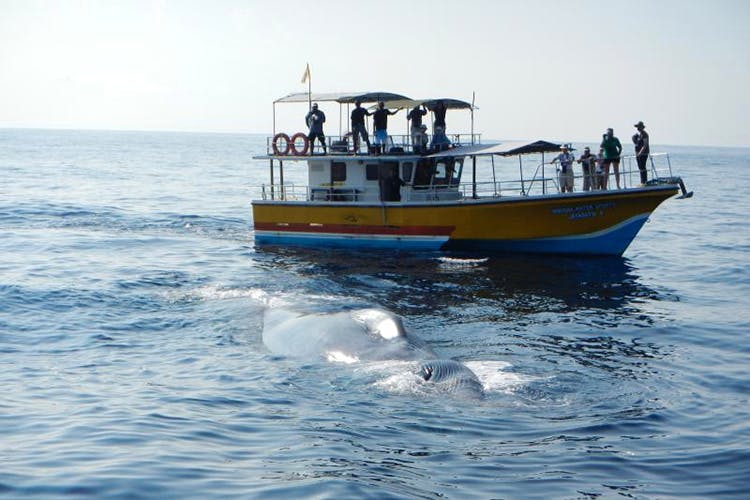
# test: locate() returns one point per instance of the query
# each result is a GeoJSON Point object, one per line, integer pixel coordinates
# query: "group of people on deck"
{"type": "Point", "coordinates": [315, 119]}
{"type": "Point", "coordinates": [596, 167]}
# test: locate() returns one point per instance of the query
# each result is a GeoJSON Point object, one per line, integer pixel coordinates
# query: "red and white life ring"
{"type": "Point", "coordinates": [275, 144]}
{"type": "Point", "coordinates": [305, 144]}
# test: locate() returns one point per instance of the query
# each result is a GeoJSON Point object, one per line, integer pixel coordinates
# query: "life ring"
{"type": "Point", "coordinates": [275, 144]}
{"type": "Point", "coordinates": [305, 144]}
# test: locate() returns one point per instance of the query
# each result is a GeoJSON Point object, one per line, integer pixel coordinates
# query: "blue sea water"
{"type": "Point", "coordinates": [131, 305]}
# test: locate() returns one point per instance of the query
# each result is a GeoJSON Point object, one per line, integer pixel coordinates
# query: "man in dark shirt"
{"type": "Point", "coordinates": [315, 119]}
{"type": "Point", "coordinates": [358, 126]}
{"type": "Point", "coordinates": [417, 134]}
{"type": "Point", "coordinates": [380, 122]}
{"type": "Point", "coordinates": [439, 138]}
{"type": "Point", "coordinates": [439, 112]}
{"type": "Point", "coordinates": [642, 150]}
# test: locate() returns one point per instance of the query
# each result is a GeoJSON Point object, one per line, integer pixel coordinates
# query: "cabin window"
{"type": "Point", "coordinates": [406, 171]}
{"type": "Point", "coordinates": [338, 171]}
{"type": "Point", "coordinates": [447, 172]}
{"type": "Point", "coordinates": [371, 172]}
{"type": "Point", "coordinates": [443, 169]}
{"type": "Point", "coordinates": [423, 174]}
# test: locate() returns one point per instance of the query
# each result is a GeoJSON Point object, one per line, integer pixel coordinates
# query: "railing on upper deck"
{"type": "Point", "coordinates": [397, 144]}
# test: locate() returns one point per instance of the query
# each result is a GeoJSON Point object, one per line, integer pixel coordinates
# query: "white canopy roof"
{"type": "Point", "coordinates": [429, 103]}
{"type": "Point", "coordinates": [508, 148]}
{"type": "Point", "coordinates": [342, 97]}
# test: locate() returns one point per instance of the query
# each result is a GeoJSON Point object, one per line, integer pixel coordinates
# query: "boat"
{"type": "Point", "coordinates": [437, 195]}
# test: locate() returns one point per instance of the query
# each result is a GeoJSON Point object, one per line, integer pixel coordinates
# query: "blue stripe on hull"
{"type": "Point", "coordinates": [612, 241]}
{"type": "Point", "coordinates": [348, 241]}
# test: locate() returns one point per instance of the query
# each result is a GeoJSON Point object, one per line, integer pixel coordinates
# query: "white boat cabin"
{"type": "Point", "coordinates": [379, 178]}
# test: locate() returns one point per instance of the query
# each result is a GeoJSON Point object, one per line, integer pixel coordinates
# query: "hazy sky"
{"type": "Point", "coordinates": [560, 70]}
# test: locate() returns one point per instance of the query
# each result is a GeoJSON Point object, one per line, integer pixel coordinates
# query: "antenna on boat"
{"type": "Point", "coordinates": [473, 96]}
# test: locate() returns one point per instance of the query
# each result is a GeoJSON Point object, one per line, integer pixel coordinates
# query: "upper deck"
{"type": "Point", "coordinates": [433, 136]}
{"type": "Point", "coordinates": [426, 165]}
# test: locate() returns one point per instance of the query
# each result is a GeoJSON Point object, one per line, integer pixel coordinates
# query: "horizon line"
{"type": "Point", "coordinates": [213, 132]}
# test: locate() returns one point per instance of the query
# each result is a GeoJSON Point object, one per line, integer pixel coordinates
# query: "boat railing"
{"type": "Point", "coordinates": [658, 164]}
{"type": "Point", "coordinates": [544, 181]}
{"type": "Point", "coordinates": [344, 144]}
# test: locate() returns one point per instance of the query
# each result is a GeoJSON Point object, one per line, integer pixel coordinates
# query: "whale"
{"type": "Point", "coordinates": [366, 335]}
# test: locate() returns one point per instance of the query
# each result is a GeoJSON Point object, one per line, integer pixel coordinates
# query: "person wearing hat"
{"type": "Point", "coordinates": [588, 163]}
{"type": "Point", "coordinates": [612, 151]}
{"type": "Point", "coordinates": [642, 150]}
{"type": "Point", "coordinates": [566, 169]}
{"type": "Point", "coordinates": [315, 119]}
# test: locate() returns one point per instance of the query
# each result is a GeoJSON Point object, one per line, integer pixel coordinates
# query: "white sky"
{"type": "Point", "coordinates": [559, 70]}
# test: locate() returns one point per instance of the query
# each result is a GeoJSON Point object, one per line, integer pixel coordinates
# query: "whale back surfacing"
{"type": "Point", "coordinates": [348, 336]}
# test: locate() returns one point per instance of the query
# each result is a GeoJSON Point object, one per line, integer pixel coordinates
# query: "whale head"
{"type": "Point", "coordinates": [451, 376]}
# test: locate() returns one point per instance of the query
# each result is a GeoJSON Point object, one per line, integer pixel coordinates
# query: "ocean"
{"type": "Point", "coordinates": [132, 300]}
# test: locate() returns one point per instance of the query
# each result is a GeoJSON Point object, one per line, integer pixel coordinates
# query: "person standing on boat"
{"type": "Point", "coordinates": [417, 135]}
{"type": "Point", "coordinates": [587, 161]}
{"type": "Point", "coordinates": [439, 138]}
{"type": "Point", "coordinates": [642, 150]}
{"type": "Point", "coordinates": [390, 183]}
{"type": "Point", "coordinates": [380, 121]}
{"type": "Point", "coordinates": [566, 169]}
{"type": "Point", "coordinates": [612, 150]}
{"type": "Point", "coordinates": [599, 171]}
{"type": "Point", "coordinates": [315, 119]}
{"type": "Point", "coordinates": [358, 126]}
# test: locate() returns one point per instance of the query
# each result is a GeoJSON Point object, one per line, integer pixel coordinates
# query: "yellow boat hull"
{"type": "Point", "coordinates": [579, 223]}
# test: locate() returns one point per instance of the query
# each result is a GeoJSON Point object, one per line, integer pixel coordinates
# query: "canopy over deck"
{"type": "Point", "coordinates": [509, 148]}
{"type": "Point", "coordinates": [428, 103]}
{"type": "Point", "coordinates": [341, 97]}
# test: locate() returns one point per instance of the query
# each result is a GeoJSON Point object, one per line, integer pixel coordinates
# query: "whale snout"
{"type": "Point", "coordinates": [451, 375]}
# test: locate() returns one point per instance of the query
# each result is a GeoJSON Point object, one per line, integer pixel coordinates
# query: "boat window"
{"type": "Point", "coordinates": [443, 172]}
{"type": "Point", "coordinates": [448, 172]}
{"type": "Point", "coordinates": [407, 168]}
{"type": "Point", "coordinates": [457, 168]}
{"type": "Point", "coordinates": [371, 172]}
{"type": "Point", "coordinates": [423, 174]}
{"type": "Point", "coordinates": [338, 171]}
